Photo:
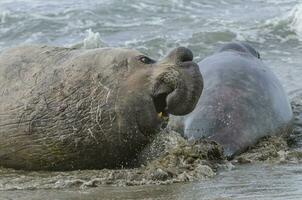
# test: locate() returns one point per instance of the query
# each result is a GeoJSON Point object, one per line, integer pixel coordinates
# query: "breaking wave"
{"type": "Point", "coordinates": [295, 18]}
{"type": "Point", "coordinates": [286, 27]}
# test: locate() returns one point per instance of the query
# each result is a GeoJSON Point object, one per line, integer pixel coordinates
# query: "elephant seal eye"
{"type": "Point", "coordinates": [146, 60]}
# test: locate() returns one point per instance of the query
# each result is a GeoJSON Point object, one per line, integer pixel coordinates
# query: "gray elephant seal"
{"type": "Point", "coordinates": [242, 101]}
{"type": "Point", "coordinates": [63, 109]}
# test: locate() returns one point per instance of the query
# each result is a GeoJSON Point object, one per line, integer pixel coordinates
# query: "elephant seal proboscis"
{"type": "Point", "coordinates": [64, 109]}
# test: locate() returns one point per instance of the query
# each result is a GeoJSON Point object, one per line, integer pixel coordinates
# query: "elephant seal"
{"type": "Point", "coordinates": [242, 101]}
{"type": "Point", "coordinates": [64, 109]}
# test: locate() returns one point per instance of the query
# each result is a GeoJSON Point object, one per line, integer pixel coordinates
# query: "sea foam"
{"type": "Point", "coordinates": [295, 17]}
{"type": "Point", "coordinates": [3, 17]}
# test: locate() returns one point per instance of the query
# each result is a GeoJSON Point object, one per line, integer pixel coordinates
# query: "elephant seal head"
{"type": "Point", "coordinates": [151, 89]}
{"type": "Point", "coordinates": [131, 95]}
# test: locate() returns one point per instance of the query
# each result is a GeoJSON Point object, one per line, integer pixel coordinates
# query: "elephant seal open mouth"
{"type": "Point", "coordinates": [64, 109]}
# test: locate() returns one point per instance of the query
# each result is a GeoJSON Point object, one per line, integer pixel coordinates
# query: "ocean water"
{"type": "Point", "coordinates": [273, 27]}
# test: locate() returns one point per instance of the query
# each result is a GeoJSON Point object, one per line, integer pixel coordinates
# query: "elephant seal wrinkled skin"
{"type": "Point", "coordinates": [63, 109]}
{"type": "Point", "coordinates": [242, 101]}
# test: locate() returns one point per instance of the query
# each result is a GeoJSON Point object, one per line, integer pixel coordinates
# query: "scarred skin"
{"type": "Point", "coordinates": [64, 109]}
{"type": "Point", "coordinates": [242, 101]}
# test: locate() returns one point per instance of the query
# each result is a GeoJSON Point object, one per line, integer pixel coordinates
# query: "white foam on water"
{"type": "Point", "coordinates": [285, 27]}
{"type": "Point", "coordinates": [3, 17]}
{"type": "Point", "coordinates": [295, 17]}
{"type": "Point", "coordinates": [92, 40]}
{"type": "Point", "coordinates": [37, 37]}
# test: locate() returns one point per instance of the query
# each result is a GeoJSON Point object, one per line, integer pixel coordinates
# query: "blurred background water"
{"type": "Point", "coordinates": [273, 27]}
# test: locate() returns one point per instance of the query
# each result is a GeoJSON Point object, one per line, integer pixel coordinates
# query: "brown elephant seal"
{"type": "Point", "coordinates": [63, 109]}
{"type": "Point", "coordinates": [242, 101]}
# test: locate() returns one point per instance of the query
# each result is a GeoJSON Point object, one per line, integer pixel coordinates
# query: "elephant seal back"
{"type": "Point", "coordinates": [242, 100]}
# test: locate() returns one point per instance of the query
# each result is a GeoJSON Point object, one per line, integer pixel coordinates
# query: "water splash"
{"type": "Point", "coordinates": [92, 40]}
{"type": "Point", "coordinates": [175, 160]}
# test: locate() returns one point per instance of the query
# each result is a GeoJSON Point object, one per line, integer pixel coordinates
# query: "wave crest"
{"type": "Point", "coordinates": [285, 28]}
{"type": "Point", "coordinates": [295, 17]}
